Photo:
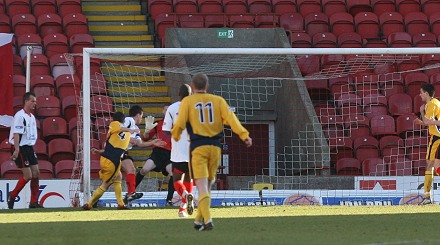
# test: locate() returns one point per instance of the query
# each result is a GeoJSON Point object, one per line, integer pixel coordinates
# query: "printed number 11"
{"type": "Point", "coordinates": [200, 106]}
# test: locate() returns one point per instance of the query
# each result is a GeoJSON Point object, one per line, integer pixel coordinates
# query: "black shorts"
{"type": "Point", "coordinates": [161, 158]}
{"type": "Point", "coordinates": [125, 156]}
{"type": "Point", "coordinates": [181, 167]}
{"type": "Point", "coordinates": [26, 157]}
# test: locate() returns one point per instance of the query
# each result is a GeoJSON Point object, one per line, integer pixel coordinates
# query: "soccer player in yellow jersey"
{"type": "Point", "coordinates": [430, 114]}
{"type": "Point", "coordinates": [118, 138]}
{"type": "Point", "coordinates": [203, 114]}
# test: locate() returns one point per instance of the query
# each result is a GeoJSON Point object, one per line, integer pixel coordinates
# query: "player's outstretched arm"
{"type": "Point", "coordinates": [156, 142]}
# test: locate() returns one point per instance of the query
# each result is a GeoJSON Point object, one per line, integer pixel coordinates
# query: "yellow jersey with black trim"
{"type": "Point", "coordinates": [203, 115]}
{"type": "Point", "coordinates": [432, 111]}
{"type": "Point", "coordinates": [116, 143]}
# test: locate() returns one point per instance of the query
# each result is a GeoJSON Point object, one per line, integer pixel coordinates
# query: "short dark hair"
{"type": "Point", "coordinates": [429, 88]}
{"type": "Point", "coordinates": [119, 116]}
{"type": "Point", "coordinates": [27, 96]}
{"type": "Point", "coordinates": [200, 81]}
{"type": "Point", "coordinates": [184, 91]}
{"type": "Point", "coordinates": [134, 110]}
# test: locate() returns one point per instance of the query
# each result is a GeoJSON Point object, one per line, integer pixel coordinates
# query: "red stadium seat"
{"type": "Point", "coordinates": [382, 125]}
{"type": "Point", "coordinates": [40, 7]}
{"type": "Point", "coordinates": [341, 23]}
{"type": "Point", "coordinates": [325, 110]}
{"type": "Point", "coordinates": [185, 6]}
{"type": "Point", "coordinates": [70, 106]}
{"type": "Point", "coordinates": [366, 83]}
{"type": "Point", "coordinates": [391, 22]}
{"type": "Point", "coordinates": [75, 23]}
{"type": "Point", "coordinates": [54, 127]}
{"type": "Point", "coordinates": [400, 166]}
{"type": "Point", "coordinates": [382, 6]}
{"type": "Point", "coordinates": [434, 22]}
{"type": "Point", "coordinates": [234, 6]}
{"type": "Point", "coordinates": [430, 59]}
{"type": "Point", "coordinates": [9, 170]}
{"type": "Point", "coordinates": [191, 21]}
{"type": "Point", "coordinates": [350, 40]}
{"type": "Point", "coordinates": [419, 167]}
{"type": "Point", "coordinates": [215, 21]}
{"type": "Point", "coordinates": [55, 44]}
{"type": "Point", "coordinates": [17, 103]}
{"type": "Point", "coordinates": [40, 149]}
{"type": "Point", "coordinates": [355, 7]}
{"type": "Point", "coordinates": [306, 7]}
{"type": "Point", "coordinates": [43, 85]}
{"type": "Point", "coordinates": [374, 167]}
{"type": "Point", "coordinates": [95, 166]}
{"type": "Point", "coordinates": [60, 149]}
{"type": "Point", "coordinates": [324, 40]}
{"type": "Point", "coordinates": [158, 7]}
{"type": "Point", "coordinates": [400, 104]}
{"type": "Point", "coordinates": [331, 60]}
{"type": "Point", "coordinates": [18, 65]}
{"type": "Point", "coordinates": [357, 125]}
{"type": "Point", "coordinates": [17, 7]}
{"type": "Point", "coordinates": [266, 21]}
{"type": "Point", "coordinates": [330, 7]}
{"type": "Point", "coordinates": [67, 85]}
{"type": "Point", "coordinates": [300, 40]}
{"type": "Point", "coordinates": [388, 142]}
{"type": "Point", "coordinates": [416, 22]}
{"type": "Point", "coordinates": [417, 104]}
{"type": "Point", "coordinates": [348, 166]}
{"type": "Point", "coordinates": [49, 24]}
{"type": "Point", "coordinates": [308, 64]}
{"type": "Point", "coordinates": [374, 105]}
{"type": "Point", "coordinates": [367, 24]}
{"type": "Point", "coordinates": [101, 104]}
{"type": "Point", "coordinates": [5, 150]}
{"type": "Point", "coordinates": [407, 6]}
{"type": "Point", "coordinates": [101, 127]}
{"type": "Point", "coordinates": [340, 147]}
{"type": "Point", "coordinates": [366, 147]}
{"type": "Point", "coordinates": [210, 6]}
{"type": "Point", "coordinates": [59, 65]}
{"type": "Point", "coordinates": [164, 21]}
{"type": "Point", "coordinates": [293, 22]}
{"type": "Point", "coordinates": [416, 147]}
{"type": "Point", "coordinates": [349, 104]}
{"type": "Point", "coordinates": [405, 126]}
{"type": "Point", "coordinates": [413, 82]}
{"type": "Point", "coordinates": [241, 21]}
{"type": "Point", "coordinates": [410, 62]}
{"type": "Point", "coordinates": [284, 6]}
{"type": "Point", "coordinates": [259, 6]}
{"type": "Point", "coordinates": [24, 24]}
{"type": "Point", "coordinates": [316, 23]}
{"type": "Point", "coordinates": [332, 126]}
{"type": "Point", "coordinates": [46, 169]}
{"type": "Point", "coordinates": [64, 169]}
{"type": "Point", "coordinates": [424, 39]}
{"type": "Point", "coordinates": [48, 106]}
{"type": "Point", "coordinates": [39, 64]}
{"type": "Point", "coordinates": [66, 7]}
{"type": "Point", "coordinates": [374, 43]}
{"type": "Point", "coordinates": [5, 23]}
{"type": "Point", "coordinates": [399, 40]}
{"type": "Point", "coordinates": [29, 40]}
{"type": "Point", "coordinates": [340, 85]}
{"type": "Point", "coordinates": [80, 41]}
{"type": "Point", "coordinates": [19, 83]}
{"type": "Point", "coordinates": [430, 6]}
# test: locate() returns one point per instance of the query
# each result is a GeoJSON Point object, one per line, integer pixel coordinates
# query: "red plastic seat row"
{"type": "Point", "coordinates": [40, 7]}
{"type": "Point", "coordinates": [399, 166]}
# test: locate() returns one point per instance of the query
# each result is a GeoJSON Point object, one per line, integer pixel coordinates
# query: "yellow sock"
{"type": "Point", "coordinates": [427, 183]}
{"type": "Point", "coordinates": [199, 216]}
{"type": "Point", "coordinates": [118, 192]}
{"type": "Point", "coordinates": [96, 195]}
{"type": "Point", "coordinates": [204, 204]}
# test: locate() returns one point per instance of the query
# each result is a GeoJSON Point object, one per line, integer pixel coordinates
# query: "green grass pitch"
{"type": "Point", "coordinates": [233, 225]}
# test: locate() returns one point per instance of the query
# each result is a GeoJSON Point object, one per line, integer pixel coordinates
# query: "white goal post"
{"type": "Point", "coordinates": [312, 149]}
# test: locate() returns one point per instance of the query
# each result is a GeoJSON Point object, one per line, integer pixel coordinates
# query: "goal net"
{"type": "Point", "coordinates": [329, 126]}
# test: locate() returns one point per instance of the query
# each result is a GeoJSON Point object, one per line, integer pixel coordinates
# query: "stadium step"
{"type": "Point", "coordinates": [119, 29]}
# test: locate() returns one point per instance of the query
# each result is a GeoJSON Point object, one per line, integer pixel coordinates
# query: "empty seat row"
{"type": "Point", "coordinates": [45, 24]}
{"type": "Point", "coordinates": [40, 7]}
{"type": "Point", "coordinates": [375, 166]}
{"type": "Point", "coordinates": [303, 7]}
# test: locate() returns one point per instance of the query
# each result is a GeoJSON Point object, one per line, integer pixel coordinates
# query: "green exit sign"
{"type": "Point", "coordinates": [225, 34]}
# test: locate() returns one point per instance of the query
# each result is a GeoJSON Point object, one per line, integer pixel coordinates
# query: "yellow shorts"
{"type": "Point", "coordinates": [432, 152]}
{"type": "Point", "coordinates": [204, 161]}
{"type": "Point", "coordinates": [109, 171]}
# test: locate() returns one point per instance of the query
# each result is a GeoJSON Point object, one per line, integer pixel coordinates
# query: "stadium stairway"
{"type": "Point", "coordinates": [121, 24]}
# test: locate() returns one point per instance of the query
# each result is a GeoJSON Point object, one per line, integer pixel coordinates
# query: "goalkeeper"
{"type": "Point", "coordinates": [159, 160]}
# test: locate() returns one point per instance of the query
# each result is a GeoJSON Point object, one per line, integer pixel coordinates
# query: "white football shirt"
{"type": "Point", "coordinates": [24, 124]}
{"type": "Point", "coordinates": [130, 123]}
{"type": "Point", "coordinates": [179, 149]}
